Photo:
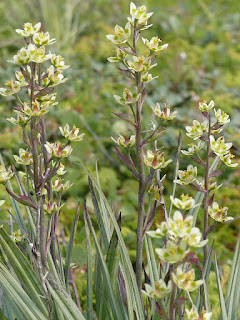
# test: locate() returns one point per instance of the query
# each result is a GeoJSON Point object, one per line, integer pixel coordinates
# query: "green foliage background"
{"type": "Point", "coordinates": [201, 63]}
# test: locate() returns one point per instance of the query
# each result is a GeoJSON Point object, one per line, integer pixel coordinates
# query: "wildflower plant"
{"type": "Point", "coordinates": [38, 73]}
{"type": "Point", "coordinates": [181, 239]}
{"type": "Point", "coordinates": [137, 66]}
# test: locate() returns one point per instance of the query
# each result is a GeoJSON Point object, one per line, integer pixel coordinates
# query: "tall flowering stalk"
{"type": "Point", "coordinates": [137, 66]}
{"type": "Point", "coordinates": [33, 89]}
{"type": "Point", "coordinates": [204, 132]}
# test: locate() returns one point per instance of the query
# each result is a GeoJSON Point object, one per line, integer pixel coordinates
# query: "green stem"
{"type": "Point", "coordinates": [206, 194]}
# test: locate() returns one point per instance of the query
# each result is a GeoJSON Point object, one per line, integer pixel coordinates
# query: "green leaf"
{"type": "Point", "coordinates": [89, 267]}
{"type": "Point", "coordinates": [220, 292]}
{"type": "Point", "coordinates": [23, 269]}
{"type": "Point", "coordinates": [70, 244]}
{"type": "Point", "coordinates": [125, 259]}
{"type": "Point", "coordinates": [112, 300]}
{"type": "Point", "coordinates": [233, 292]}
{"type": "Point", "coordinates": [22, 303]}
{"type": "Point", "coordinates": [206, 271]}
{"type": "Point", "coordinates": [64, 302]}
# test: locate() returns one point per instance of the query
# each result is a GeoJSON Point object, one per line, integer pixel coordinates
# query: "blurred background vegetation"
{"type": "Point", "coordinates": [201, 63]}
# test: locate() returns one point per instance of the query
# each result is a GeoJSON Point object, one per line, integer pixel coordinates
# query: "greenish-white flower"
{"type": "Point", "coordinates": [186, 280]}
{"type": "Point", "coordinates": [54, 78]}
{"type": "Point", "coordinates": [193, 148]}
{"type": "Point", "coordinates": [197, 129]}
{"type": "Point", "coordinates": [204, 107]}
{"type": "Point", "coordinates": [120, 35]}
{"type": "Point", "coordinates": [121, 56]}
{"type": "Point", "coordinates": [185, 203]}
{"type": "Point", "coordinates": [159, 290]}
{"type": "Point", "coordinates": [179, 225]}
{"type": "Point", "coordinates": [21, 79]}
{"type": "Point", "coordinates": [25, 157]}
{"type": "Point", "coordinates": [59, 186]}
{"type": "Point", "coordinates": [147, 77]}
{"type": "Point", "coordinates": [160, 232]}
{"type": "Point", "coordinates": [5, 175]}
{"type": "Point", "coordinates": [193, 314]}
{"type": "Point", "coordinates": [219, 147]}
{"type": "Point", "coordinates": [155, 160]}
{"type": "Point", "coordinates": [58, 150]}
{"type": "Point", "coordinates": [140, 14]}
{"type": "Point", "coordinates": [38, 55]}
{"type": "Point", "coordinates": [187, 176]}
{"type": "Point", "coordinates": [153, 44]}
{"type": "Point", "coordinates": [218, 214]}
{"type": "Point", "coordinates": [38, 109]}
{"type": "Point", "coordinates": [222, 117]}
{"type": "Point", "coordinates": [125, 141]}
{"type": "Point", "coordinates": [141, 64]}
{"type": "Point", "coordinates": [164, 114]}
{"type": "Point", "coordinates": [128, 97]}
{"type": "Point", "coordinates": [43, 39]}
{"type": "Point", "coordinates": [58, 62]}
{"type": "Point", "coordinates": [71, 134]}
{"type": "Point", "coordinates": [28, 29]}
{"type": "Point", "coordinates": [21, 119]}
{"type": "Point", "coordinates": [193, 239]}
{"type": "Point", "coordinates": [51, 207]}
{"type": "Point", "coordinates": [227, 160]}
{"type": "Point", "coordinates": [22, 57]}
{"type": "Point", "coordinates": [13, 87]}
{"type": "Point", "coordinates": [174, 252]}
{"type": "Point", "coordinates": [61, 170]}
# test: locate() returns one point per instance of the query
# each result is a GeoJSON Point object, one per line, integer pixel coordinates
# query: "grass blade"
{"type": "Point", "coordinates": [70, 244]}
{"type": "Point", "coordinates": [221, 298]}
{"type": "Point", "coordinates": [89, 267]}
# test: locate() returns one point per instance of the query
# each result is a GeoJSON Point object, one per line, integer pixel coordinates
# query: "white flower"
{"type": "Point", "coordinates": [186, 280]}
{"type": "Point", "coordinates": [164, 114]}
{"type": "Point", "coordinates": [218, 214]}
{"type": "Point", "coordinates": [155, 160]}
{"type": "Point", "coordinates": [29, 29]}
{"type": "Point", "coordinates": [179, 226]}
{"type": "Point", "coordinates": [187, 176]}
{"type": "Point", "coordinates": [159, 290]}
{"type": "Point", "coordinates": [197, 129]}
{"type": "Point", "coordinates": [153, 44]}
{"type": "Point", "coordinates": [120, 35]}
{"type": "Point", "coordinates": [221, 116]}
{"type": "Point", "coordinates": [71, 134]}
{"type": "Point", "coordinates": [141, 64]}
{"type": "Point", "coordinates": [174, 252]}
{"type": "Point", "coordinates": [227, 159]}
{"type": "Point", "coordinates": [43, 39]}
{"type": "Point", "coordinates": [24, 157]}
{"type": "Point", "coordinates": [59, 62]}
{"type": "Point", "coordinates": [219, 147]}
{"type": "Point", "coordinates": [204, 107]}
{"type": "Point", "coordinates": [13, 88]}
{"type": "Point", "coordinates": [193, 148]}
{"type": "Point", "coordinates": [160, 232]}
{"type": "Point", "coordinates": [128, 97]}
{"type": "Point", "coordinates": [186, 202]}
{"type": "Point", "coordinates": [125, 141]}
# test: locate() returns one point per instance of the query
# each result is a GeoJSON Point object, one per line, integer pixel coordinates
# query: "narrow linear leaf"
{"type": "Point", "coordinates": [70, 244]}
{"type": "Point", "coordinates": [220, 292]}
{"type": "Point", "coordinates": [89, 267]}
